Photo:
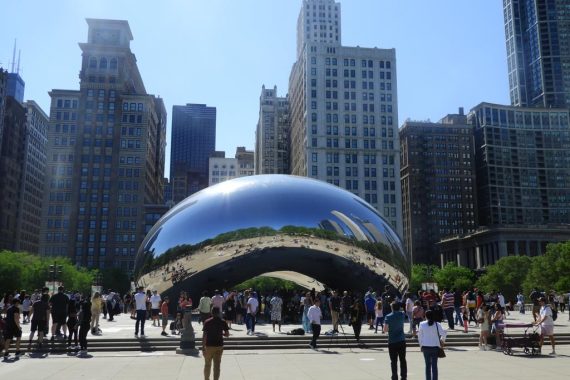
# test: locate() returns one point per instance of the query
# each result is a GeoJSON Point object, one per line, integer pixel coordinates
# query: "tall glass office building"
{"type": "Point", "coordinates": [538, 52]}
{"type": "Point", "coordinates": [193, 141]}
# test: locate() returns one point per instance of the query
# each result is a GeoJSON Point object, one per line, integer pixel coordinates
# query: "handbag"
{"type": "Point", "coordinates": [440, 351]}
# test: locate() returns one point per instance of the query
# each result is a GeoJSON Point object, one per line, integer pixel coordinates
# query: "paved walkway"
{"type": "Point", "coordinates": [288, 365]}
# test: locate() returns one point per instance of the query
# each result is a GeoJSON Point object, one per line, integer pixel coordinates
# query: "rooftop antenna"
{"type": "Point", "coordinates": [14, 55]}
{"type": "Point", "coordinates": [18, 67]}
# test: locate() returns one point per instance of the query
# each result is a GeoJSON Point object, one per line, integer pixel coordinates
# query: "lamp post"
{"type": "Point", "coordinates": [54, 272]}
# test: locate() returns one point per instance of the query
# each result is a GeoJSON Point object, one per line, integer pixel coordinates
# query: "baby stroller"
{"type": "Point", "coordinates": [529, 342]}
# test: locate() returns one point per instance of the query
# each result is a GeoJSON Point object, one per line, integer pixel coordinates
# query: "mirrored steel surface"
{"type": "Point", "coordinates": [245, 227]}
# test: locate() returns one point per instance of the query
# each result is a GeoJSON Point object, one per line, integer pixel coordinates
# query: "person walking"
{"type": "Point", "coordinates": [394, 326]}
{"type": "Point", "coordinates": [483, 319]}
{"type": "Point", "coordinates": [214, 329]}
{"type": "Point", "coordinates": [140, 302]}
{"type": "Point", "coordinates": [431, 336]}
{"type": "Point", "coordinates": [314, 314]}
{"type": "Point", "coordinates": [84, 320]}
{"type": "Point", "coordinates": [218, 301]}
{"type": "Point", "coordinates": [40, 317]}
{"type": "Point", "coordinates": [59, 303]}
{"type": "Point", "coordinates": [252, 306]}
{"type": "Point", "coordinates": [13, 330]}
{"type": "Point", "coordinates": [447, 304]}
{"type": "Point", "coordinates": [546, 324]}
{"type": "Point", "coordinates": [355, 319]}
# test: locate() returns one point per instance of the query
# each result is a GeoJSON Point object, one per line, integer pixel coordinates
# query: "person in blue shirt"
{"type": "Point", "coordinates": [394, 325]}
{"type": "Point", "coordinates": [370, 303]}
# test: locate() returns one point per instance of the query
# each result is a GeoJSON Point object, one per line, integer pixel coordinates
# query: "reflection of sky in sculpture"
{"type": "Point", "coordinates": [271, 202]}
{"type": "Point", "coordinates": [306, 209]}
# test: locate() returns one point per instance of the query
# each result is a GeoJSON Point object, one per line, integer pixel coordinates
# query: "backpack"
{"type": "Point", "coordinates": [298, 331]}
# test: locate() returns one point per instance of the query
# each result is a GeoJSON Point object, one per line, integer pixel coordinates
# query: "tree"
{"type": "Point", "coordinates": [551, 270]}
{"type": "Point", "coordinates": [452, 276]}
{"type": "Point", "coordinates": [421, 273]}
{"type": "Point", "coordinates": [116, 279]}
{"type": "Point", "coordinates": [266, 284]}
{"type": "Point", "coordinates": [506, 275]}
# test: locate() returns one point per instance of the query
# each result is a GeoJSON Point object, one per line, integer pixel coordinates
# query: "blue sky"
{"type": "Point", "coordinates": [450, 53]}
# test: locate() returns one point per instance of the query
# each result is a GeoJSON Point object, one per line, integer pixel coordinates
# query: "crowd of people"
{"type": "Point", "coordinates": [73, 315]}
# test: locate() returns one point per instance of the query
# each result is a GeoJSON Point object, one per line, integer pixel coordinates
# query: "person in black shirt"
{"type": "Point", "coordinates": [214, 329]}
{"type": "Point", "coordinates": [59, 303]}
{"type": "Point", "coordinates": [13, 330]}
{"type": "Point", "coordinates": [84, 320]}
{"type": "Point", "coordinates": [40, 318]}
{"type": "Point", "coordinates": [334, 304]}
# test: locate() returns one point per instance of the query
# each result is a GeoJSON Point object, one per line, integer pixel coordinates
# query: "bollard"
{"type": "Point", "coordinates": [188, 338]}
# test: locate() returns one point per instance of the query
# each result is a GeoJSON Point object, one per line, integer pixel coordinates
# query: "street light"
{"type": "Point", "coordinates": [55, 272]}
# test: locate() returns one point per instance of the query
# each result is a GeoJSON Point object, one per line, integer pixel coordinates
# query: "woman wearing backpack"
{"type": "Point", "coordinates": [546, 323]}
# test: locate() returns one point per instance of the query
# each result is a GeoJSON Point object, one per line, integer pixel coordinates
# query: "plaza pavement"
{"type": "Point", "coordinates": [345, 364]}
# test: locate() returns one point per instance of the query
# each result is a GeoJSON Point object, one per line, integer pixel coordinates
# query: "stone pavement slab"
{"type": "Point", "coordinates": [334, 364]}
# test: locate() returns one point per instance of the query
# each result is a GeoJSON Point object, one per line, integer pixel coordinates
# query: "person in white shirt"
{"type": "Point", "coordinates": [314, 315]}
{"type": "Point", "coordinates": [546, 324]}
{"type": "Point", "coordinates": [218, 301]}
{"type": "Point", "coordinates": [431, 336]}
{"type": "Point", "coordinates": [155, 307]}
{"type": "Point", "coordinates": [252, 305]}
{"type": "Point", "coordinates": [409, 311]}
{"type": "Point", "coordinates": [140, 303]}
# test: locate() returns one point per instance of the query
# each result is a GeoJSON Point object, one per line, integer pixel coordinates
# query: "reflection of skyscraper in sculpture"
{"type": "Point", "coordinates": [331, 225]}
{"type": "Point", "coordinates": [353, 227]}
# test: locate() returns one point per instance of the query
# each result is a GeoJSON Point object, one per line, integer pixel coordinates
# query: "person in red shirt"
{"type": "Point", "coordinates": [164, 312]}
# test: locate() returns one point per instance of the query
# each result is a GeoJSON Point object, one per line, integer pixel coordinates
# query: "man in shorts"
{"type": "Point", "coordinates": [13, 330]}
{"type": "Point", "coordinates": [155, 308]}
{"type": "Point", "coordinates": [59, 303]}
{"type": "Point", "coordinates": [546, 324]}
{"type": "Point", "coordinates": [40, 318]}
{"type": "Point", "coordinates": [164, 312]}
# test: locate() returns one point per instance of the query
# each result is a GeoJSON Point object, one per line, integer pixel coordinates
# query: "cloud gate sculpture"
{"type": "Point", "coordinates": [236, 230]}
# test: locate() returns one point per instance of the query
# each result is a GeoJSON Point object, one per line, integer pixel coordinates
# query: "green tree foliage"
{"type": "Point", "coordinates": [19, 270]}
{"type": "Point", "coordinates": [452, 276]}
{"type": "Point", "coordinates": [265, 284]}
{"type": "Point", "coordinates": [550, 271]}
{"type": "Point", "coordinates": [116, 279]}
{"type": "Point", "coordinates": [421, 273]}
{"type": "Point", "coordinates": [506, 275]}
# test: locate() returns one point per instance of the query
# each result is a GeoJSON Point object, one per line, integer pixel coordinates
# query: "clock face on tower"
{"type": "Point", "coordinates": [107, 36]}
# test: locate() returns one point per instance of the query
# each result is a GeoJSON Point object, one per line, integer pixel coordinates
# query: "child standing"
{"type": "Point", "coordinates": [72, 325]}
{"type": "Point", "coordinates": [465, 316]}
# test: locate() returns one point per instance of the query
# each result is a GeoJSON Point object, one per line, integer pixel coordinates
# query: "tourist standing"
{"type": "Point", "coordinates": [204, 307]}
{"type": "Point", "coordinates": [140, 304]}
{"type": "Point", "coordinates": [431, 336]}
{"type": "Point", "coordinates": [155, 307]}
{"type": "Point", "coordinates": [40, 317]}
{"type": "Point", "coordinates": [230, 314]}
{"type": "Point", "coordinates": [394, 326]}
{"type": "Point", "coordinates": [251, 310]}
{"type": "Point", "coordinates": [546, 324]}
{"type": "Point", "coordinates": [214, 329]}
{"type": "Point", "coordinates": [218, 301]}
{"type": "Point", "coordinates": [164, 312]}
{"type": "Point", "coordinates": [84, 321]}
{"type": "Point", "coordinates": [59, 303]}
{"type": "Point", "coordinates": [96, 306]}
{"type": "Point", "coordinates": [483, 319]}
{"type": "Point", "coordinates": [334, 305]}
{"type": "Point", "coordinates": [520, 303]}
{"type": "Point", "coordinates": [276, 308]}
{"type": "Point", "coordinates": [355, 319]}
{"type": "Point", "coordinates": [314, 314]}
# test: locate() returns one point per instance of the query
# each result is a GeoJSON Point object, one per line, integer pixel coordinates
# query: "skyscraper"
{"type": "Point", "coordinates": [438, 184]}
{"type": "Point", "coordinates": [272, 134]}
{"type": "Point", "coordinates": [106, 155]}
{"type": "Point", "coordinates": [344, 112]}
{"type": "Point", "coordinates": [193, 140]}
{"type": "Point", "coordinates": [538, 52]}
